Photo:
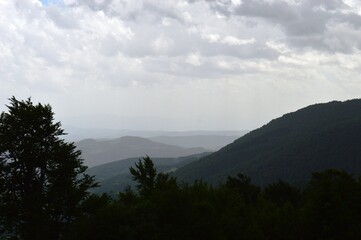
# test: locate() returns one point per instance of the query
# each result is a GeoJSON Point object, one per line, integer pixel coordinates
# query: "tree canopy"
{"type": "Point", "coordinates": [328, 208]}
{"type": "Point", "coordinates": [42, 177]}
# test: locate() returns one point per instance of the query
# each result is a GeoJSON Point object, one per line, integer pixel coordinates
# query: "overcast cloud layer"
{"type": "Point", "coordinates": [179, 65]}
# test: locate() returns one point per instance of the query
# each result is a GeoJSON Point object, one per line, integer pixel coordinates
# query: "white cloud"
{"type": "Point", "coordinates": [278, 46]}
{"type": "Point", "coordinates": [162, 45]}
{"type": "Point", "coordinates": [225, 65]}
{"type": "Point", "coordinates": [231, 40]}
{"type": "Point", "coordinates": [194, 59]}
{"type": "Point", "coordinates": [212, 38]}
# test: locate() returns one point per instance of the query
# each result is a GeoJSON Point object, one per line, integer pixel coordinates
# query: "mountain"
{"type": "Point", "coordinates": [115, 176]}
{"type": "Point", "coordinates": [97, 152]}
{"type": "Point", "coordinates": [77, 133]}
{"type": "Point", "coordinates": [214, 142]}
{"type": "Point", "coordinates": [289, 148]}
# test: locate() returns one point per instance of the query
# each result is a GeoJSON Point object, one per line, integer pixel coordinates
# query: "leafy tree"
{"type": "Point", "coordinates": [42, 177]}
{"type": "Point", "coordinates": [332, 208]}
{"type": "Point", "coordinates": [243, 186]}
{"type": "Point", "coordinates": [281, 193]}
{"type": "Point", "coordinates": [145, 174]}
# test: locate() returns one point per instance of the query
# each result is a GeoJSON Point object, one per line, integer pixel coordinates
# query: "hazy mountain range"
{"type": "Point", "coordinates": [78, 134]}
{"type": "Point", "coordinates": [97, 152]}
{"type": "Point", "coordinates": [212, 142]}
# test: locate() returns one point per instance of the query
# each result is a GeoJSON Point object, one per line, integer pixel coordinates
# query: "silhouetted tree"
{"type": "Point", "coordinates": [42, 177]}
{"type": "Point", "coordinates": [243, 186]}
{"type": "Point", "coordinates": [281, 193]}
{"type": "Point", "coordinates": [333, 206]}
{"type": "Point", "coordinates": [144, 174]}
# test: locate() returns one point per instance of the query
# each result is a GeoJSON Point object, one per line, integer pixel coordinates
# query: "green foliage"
{"type": "Point", "coordinates": [281, 193]}
{"type": "Point", "coordinates": [42, 177]}
{"type": "Point", "coordinates": [333, 206]}
{"type": "Point", "coordinates": [328, 209]}
{"type": "Point", "coordinates": [144, 174]}
{"type": "Point", "coordinates": [147, 178]}
{"type": "Point", "coordinates": [242, 185]}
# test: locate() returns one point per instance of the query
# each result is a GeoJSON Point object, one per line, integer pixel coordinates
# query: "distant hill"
{"type": "Point", "coordinates": [115, 176]}
{"type": "Point", "coordinates": [289, 148]}
{"type": "Point", "coordinates": [77, 133]}
{"type": "Point", "coordinates": [97, 152]}
{"type": "Point", "coordinates": [213, 142]}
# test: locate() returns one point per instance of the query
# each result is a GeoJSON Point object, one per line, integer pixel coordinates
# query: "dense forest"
{"type": "Point", "coordinates": [161, 208]}
{"type": "Point", "coordinates": [44, 194]}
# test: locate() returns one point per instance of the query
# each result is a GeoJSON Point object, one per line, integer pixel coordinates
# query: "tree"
{"type": "Point", "coordinates": [243, 186]}
{"type": "Point", "coordinates": [332, 208]}
{"type": "Point", "coordinates": [281, 193]}
{"type": "Point", "coordinates": [145, 174]}
{"type": "Point", "coordinates": [42, 177]}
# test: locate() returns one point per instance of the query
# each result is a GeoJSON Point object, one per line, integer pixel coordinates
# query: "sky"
{"type": "Point", "coordinates": [179, 65]}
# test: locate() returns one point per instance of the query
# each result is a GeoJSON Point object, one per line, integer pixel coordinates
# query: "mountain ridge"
{"type": "Point", "coordinates": [213, 142]}
{"type": "Point", "coordinates": [97, 152]}
{"type": "Point", "coordinates": [290, 147]}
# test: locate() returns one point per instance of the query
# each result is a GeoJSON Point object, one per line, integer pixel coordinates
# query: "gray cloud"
{"type": "Point", "coordinates": [63, 19]}
{"type": "Point", "coordinates": [278, 12]}
{"type": "Point", "coordinates": [308, 23]}
{"type": "Point", "coordinates": [328, 4]}
{"type": "Point", "coordinates": [93, 4]}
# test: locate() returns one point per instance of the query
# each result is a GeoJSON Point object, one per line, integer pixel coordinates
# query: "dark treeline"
{"type": "Point", "coordinates": [161, 208]}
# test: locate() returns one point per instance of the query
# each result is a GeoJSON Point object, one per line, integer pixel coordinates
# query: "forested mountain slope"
{"type": "Point", "coordinates": [212, 142]}
{"type": "Point", "coordinates": [289, 148]}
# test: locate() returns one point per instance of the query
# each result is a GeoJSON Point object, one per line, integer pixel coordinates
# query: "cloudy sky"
{"type": "Point", "coordinates": [179, 65]}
